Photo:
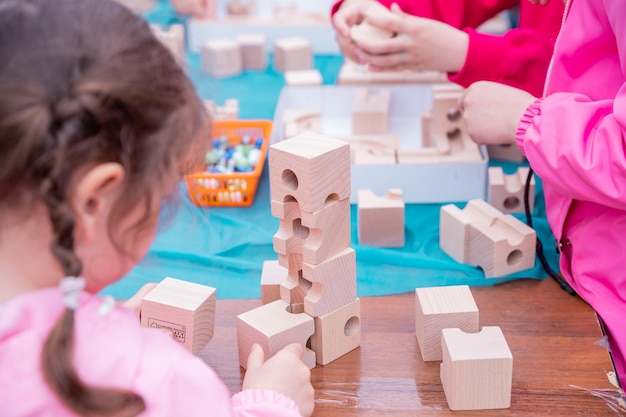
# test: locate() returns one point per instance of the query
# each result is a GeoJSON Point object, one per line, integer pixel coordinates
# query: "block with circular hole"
{"type": "Point", "coordinates": [310, 168]}
{"type": "Point", "coordinates": [323, 287]}
{"type": "Point", "coordinates": [506, 192]}
{"type": "Point", "coordinates": [274, 326]}
{"type": "Point", "coordinates": [337, 332]}
{"type": "Point", "coordinates": [481, 235]}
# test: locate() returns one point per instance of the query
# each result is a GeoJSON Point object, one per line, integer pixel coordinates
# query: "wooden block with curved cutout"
{"type": "Point", "coordinates": [274, 326]}
{"type": "Point", "coordinates": [380, 219]}
{"type": "Point", "coordinates": [174, 39]}
{"type": "Point", "coordinates": [337, 332]}
{"type": "Point", "coordinates": [309, 168]}
{"type": "Point", "coordinates": [477, 369]}
{"type": "Point", "coordinates": [438, 308]}
{"type": "Point", "coordinates": [506, 192]}
{"type": "Point", "coordinates": [184, 308]}
{"type": "Point", "coordinates": [483, 236]}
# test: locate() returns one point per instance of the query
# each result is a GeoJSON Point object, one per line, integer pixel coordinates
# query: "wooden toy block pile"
{"type": "Point", "coordinates": [318, 306]}
{"type": "Point", "coordinates": [476, 368]}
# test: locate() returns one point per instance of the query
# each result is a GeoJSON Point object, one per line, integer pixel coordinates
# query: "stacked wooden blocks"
{"type": "Point", "coordinates": [380, 220]}
{"type": "Point", "coordinates": [310, 191]}
{"type": "Point", "coordinates": [483, 236]}
{"type": "Point", "coordinates": [477, 365]}
{"type": "Point", "coordinates": [184, 308]}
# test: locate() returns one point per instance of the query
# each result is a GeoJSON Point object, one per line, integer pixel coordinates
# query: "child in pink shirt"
{"type": "Point", "coordinates": [97, 123]}
{"type": "Point", "coordinates": [575, 140]}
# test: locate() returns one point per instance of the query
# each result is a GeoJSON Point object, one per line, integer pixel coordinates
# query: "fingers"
{"type": "Point", "coordinates": [294, 349]}
{"type": "Point", "coordinates": [256, 358]}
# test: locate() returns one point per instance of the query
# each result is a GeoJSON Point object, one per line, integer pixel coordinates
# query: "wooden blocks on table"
{"type": "Point", "coordinates": [380, 220]}
{"type": "Point", "coordinates": [337, 332]}
{"type": "Point", "coordinates": [477, 369]}
{"type": "Point", "coordinates": [483, 236]}
{"type": "Point", "coordinates": [303, 77]}
{"type": "Point", "coordinates": [438, 308]}
{"type": "Point", "coordinates": [253, 50]}
{"type": "Point", "coordinates": [229, 111]}
{"type": "Point", "coordinates": [292, 54]}
{"type": "Point", "coordinates": [184, 308]}
{"type": "Point", "coordinates": [370, 112]}
{"type": "Point", "coordinates": [221, 58]}
{"type": "Point", "coordinates": [506, 192]}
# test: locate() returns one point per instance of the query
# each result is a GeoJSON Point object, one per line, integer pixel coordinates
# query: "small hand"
{"type": "Point", "coordinates": [349, 14]}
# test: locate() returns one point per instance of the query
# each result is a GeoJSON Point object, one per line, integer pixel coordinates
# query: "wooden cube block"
{"type": "Point", "coordinates": [483, 236]}
{"type": "Point", "coordinates": [438, 308]}
{"type": "Point", "coordinates": [253, 50]}
{"type": "Point", "coordinates": [272, 275]}
{"type": "Point", "coordinates": [337, 332]}
{"type": "Point", "coordinates": [477, 369]}
{"type": "Point", "coordinates": [380, 220]}
{"type": "Point", "coordinates": [185, 308]}
{"type": "Point", "coordinates": [311, 169]}
{"type": "Point", "coordinates": [303, 77]}
{"type": "Point", "coordinates": [506, 192]}
{"type": "Point", "coordinates": [274, 326]}
{"type": "Point", "coordinates": [292, 54]}
{"type": "Point", "coordinates": [370, 111]}
{"type": "Point", "coordinates": [174, 39]}
{"type": "Point", "coordinates": [221, 58]}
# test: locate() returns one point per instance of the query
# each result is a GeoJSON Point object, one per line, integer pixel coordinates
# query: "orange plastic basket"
{"type": "Point", "coordinates": [235, 189]}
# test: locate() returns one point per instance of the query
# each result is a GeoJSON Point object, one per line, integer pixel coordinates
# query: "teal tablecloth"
{"type": "Point", "coordinates": [225, 247]}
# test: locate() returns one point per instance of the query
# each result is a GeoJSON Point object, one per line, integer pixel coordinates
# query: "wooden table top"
{"type": "Point", "coordinates": [559, 364]}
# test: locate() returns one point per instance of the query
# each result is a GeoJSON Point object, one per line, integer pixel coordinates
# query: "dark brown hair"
{"type": "Point", "coordinates": [85, 82]}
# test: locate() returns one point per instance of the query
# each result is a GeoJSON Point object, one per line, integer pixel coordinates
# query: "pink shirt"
{"type": "Point", "coordinates": [113, 350]}
{"type": "Point", "coordinates": [575, 140]}
{"type": "Point", "coordinates": [518, 58]}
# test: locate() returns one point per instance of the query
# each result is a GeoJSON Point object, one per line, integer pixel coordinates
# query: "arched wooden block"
{"type": "Point", "coordinates": [506, 192]}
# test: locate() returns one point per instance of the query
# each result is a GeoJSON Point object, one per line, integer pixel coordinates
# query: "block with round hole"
{"type": "Point", "coordinates": [506, 192]}
{"type": "Point", "coordinates": [337, 332]}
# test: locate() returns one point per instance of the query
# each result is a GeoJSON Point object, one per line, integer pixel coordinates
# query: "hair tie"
{"type": "Point", "coordinates": [71, 287]}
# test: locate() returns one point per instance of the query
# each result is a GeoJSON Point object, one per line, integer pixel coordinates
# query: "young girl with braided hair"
{"type": "Point", "coordinates": [97, 123]}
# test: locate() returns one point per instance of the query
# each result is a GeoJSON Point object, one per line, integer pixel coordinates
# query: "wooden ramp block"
{"type": "Point", "coordinates": [310, 168]}
{"type": "Point", "coordinates": [274, 326]}
{"type": "Point", "coordinates": [438, 308]}
{"type": "Point", "coordinates": [506, 192]}
{"type": "Point", "coordinates": [185, 308]}
{"type": "Point", "coordinates": [272, 275]}
{"type": "Point", "coordinates": [370, 111]}
{"type": "Point", "coordinates": [337, 332]}
{"type": "Point", "coordinates": [324, 287]}
{"type": "Point", "coordinates": [292, 54]}
{"type": "Point", "coordinates": [477, 369]}
{"type": "Point", "coordinates": [380, 220]}
{"type": "Point", "coordinates": [483, 236]}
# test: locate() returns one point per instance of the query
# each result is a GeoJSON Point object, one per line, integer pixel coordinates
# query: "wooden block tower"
{"type": "Point", "coordinates": [310, 193]}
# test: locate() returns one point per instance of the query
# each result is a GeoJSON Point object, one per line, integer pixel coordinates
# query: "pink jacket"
{"type": "Point", "coordinates": [518, 58]}
{"type": "Point", "coordinates": [113, 350]}
{"type": "Point", "coordinates": [575, 140]}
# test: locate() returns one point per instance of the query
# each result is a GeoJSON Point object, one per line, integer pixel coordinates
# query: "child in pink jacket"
{"type": "Point", "coordinates": [97, 123]}
{"type": "Point", "coordinates": [441, 35]}
{"type": "Point", "coordinates": [575, 140]}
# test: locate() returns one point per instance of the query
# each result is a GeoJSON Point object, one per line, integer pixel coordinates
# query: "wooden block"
{"type": "Point", "coordinates": [506, 192]}
{"type": "Point", "coordinates": [438, 308]}
{"type": "Point", "coordinates": [380, 220]}
{"type": "Point", "coordinates": [367, 32]}
{"type": "Point", "coordinates": [483, 236]}
{"type": "Point", "coordinates": [185, 308]}
{"type": "Point", "coordinates": [240, 7]}
{"type": "Point", "coordinates": [370, 111]}
{"type": "Point", "coordinates": [477, 369]}
{"type": "Point", "coordinates": [311, 169]}
{"type": "Point", "coordinates": [272, 275]}
{"type": "Point", "coordinates": [221, 58]}
{"type": "Point", "coordinates": [253, 50]}
{"type": "Point", "coordinates": [292, 54]}
{"type": "Point", "coordinates": [274, 326]}
{"type": "Point", "coordinates": [229, 111]}
{"type": "Point", "coordinates": [296, 122]}
{"type": "Point", "coordinates": [337, 332]}
{"type": "Point", "coordinates": [323, 287]}
{"type": "Point", "coordinates": [174, 39]}
{"type": "Point", "coordinates": [509, 153]}
{"type": "Point", "coordinates": [372, 156]}
{"type": "Point", "coordinates": [352, 73]}
{"type": "Point", "coordinates": [303, 77]}
{"type": "Point", "coordinates": [318, 236]}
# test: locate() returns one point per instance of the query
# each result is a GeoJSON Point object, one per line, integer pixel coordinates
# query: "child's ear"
{"type": "Point", "coordinates": [93, 195]}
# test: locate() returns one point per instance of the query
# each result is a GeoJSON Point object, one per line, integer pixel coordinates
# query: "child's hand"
{"type": "Point", "coordinates": [134, 302]}
{"type": "Point", "coordinates": [420, 44]}
{"type": "Point", "coordinates": [284, 372]}
{"type": "Point", "coordinates": [197, 8]}
{"type": "Point", "coordinates": [349, 14]}
{"type": "Point", "coordinates": [492, 111]}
